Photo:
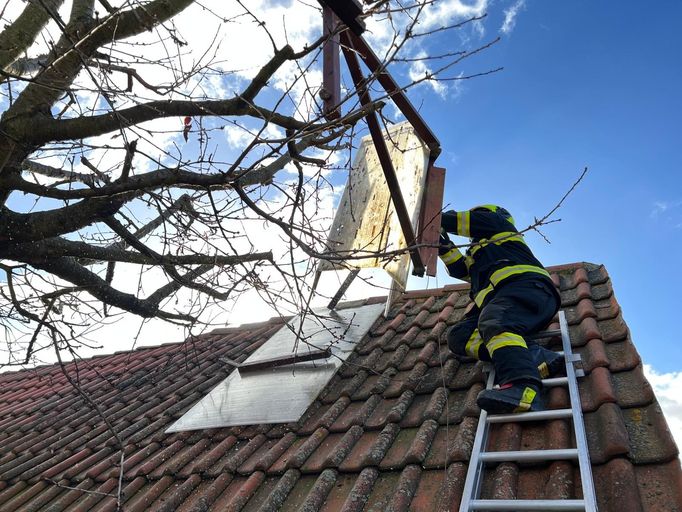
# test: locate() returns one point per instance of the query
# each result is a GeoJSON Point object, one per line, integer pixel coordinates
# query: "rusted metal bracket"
{"type": "Point", "coordinates": [382, 153]}
{"type": "Point", "coordinates": [275, 362]}
{"type": "Point", "coordinates": [346, 283]}
{"type": "Point", "coordinates": [429, 218]}
{"type": "Point", "coordinates": [395, 92]}
{"type": "Point", "coordinates": [331, 68]}
{"type": "Point", "coordinates": [348, 12]}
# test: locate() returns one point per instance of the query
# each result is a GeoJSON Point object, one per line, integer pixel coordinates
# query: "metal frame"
{"type": "Point", "coordinates": [348, 12]}
{"type": "Point", "coordinates": [423, 259]}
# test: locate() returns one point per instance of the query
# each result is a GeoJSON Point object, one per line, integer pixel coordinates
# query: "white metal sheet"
{"type": "Point", "coordinates": [282, 394]}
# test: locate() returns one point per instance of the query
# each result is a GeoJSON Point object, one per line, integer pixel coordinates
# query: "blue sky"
{"type": "Point", "coordinates": [593, 84]}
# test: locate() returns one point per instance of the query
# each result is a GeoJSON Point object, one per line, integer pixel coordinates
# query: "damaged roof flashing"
{"type": "Point", "coordinates": [281, 394]}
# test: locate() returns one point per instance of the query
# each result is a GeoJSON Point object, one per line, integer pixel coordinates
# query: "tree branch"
{"type": "Point", "coordinates": [18, 37]}
{"type": "Point", "coordinates": [34, 252]}
{"type": "Point", "coordinates": [52, 172]}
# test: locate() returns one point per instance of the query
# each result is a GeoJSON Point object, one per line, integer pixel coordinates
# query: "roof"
{"type": "Point", "coordinates": [393, 430]}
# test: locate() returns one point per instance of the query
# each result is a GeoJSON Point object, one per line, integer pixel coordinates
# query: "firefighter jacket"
{"type": "Point", "coordinates": [498, 254]}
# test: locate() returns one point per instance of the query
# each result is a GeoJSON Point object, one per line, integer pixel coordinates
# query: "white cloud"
{"type": "Point", "coordinates": [439, 14]}
{"type": "Point", "coordinates": [661, 207]}
{"type": "Point", "coordinates": [510, 16]}
{"type": "Point", "coordinates": [668, 389]}
{"type": "Point", "coordinates": [419, 70]}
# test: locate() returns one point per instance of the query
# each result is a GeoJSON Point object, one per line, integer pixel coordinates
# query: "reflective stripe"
{"type": "Point", "coordinates": [497, 239]}
{"type": "Point", "coordinates": [464, 223]}
{"type": "Point", "coordinates": [500, 275]}
{"type": "Point", "coordinates": [543, 369]}
{"type": "Point", "coordinates": [452, 256]}
{"type": "Point", "coordinates": [468, 261]}
{"type": "Point", "coordinates": [505, 339]}
{"type": "Point", "coordinates": [526, 400]}
{"type": "Point", "coordinates": [491, 207]}
{"type": "Point", "coordinates": [474, 343]}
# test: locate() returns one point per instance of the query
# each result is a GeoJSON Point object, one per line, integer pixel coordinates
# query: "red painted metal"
{"type": "Point", "coordinates": [275, 362]}
{"type": "Point", "coordinates": [396, 93]}
{"type": "Point", "coordinates": [429, 218]}
{"type": "Point", "coordinates": [331, 69]}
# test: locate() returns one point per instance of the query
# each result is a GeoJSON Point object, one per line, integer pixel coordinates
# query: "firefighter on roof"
{"type": "Point", "coordinates": [513, 297]}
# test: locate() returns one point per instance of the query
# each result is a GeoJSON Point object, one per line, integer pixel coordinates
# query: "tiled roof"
{"type": "Point", "coordinates": [393, 430]}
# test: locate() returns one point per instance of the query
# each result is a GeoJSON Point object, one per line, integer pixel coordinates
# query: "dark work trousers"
{"type": "Point", "coordinates": [517, 309]}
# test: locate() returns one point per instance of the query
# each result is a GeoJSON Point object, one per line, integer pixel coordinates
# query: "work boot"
{"type": "Point", "coordinates": [510, 397]}
{"type": "Point", "coordinates": [550, 363]}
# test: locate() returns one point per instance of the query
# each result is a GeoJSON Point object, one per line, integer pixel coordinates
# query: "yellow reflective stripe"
{"type": "Point", "coordinates": [490, 207]}
{"type": "Point", "coordinates": [452, 256]}
{"type": "Point", "coordinates": [474, 343]}
{"type": "Point", "coordinates": [498, 239]}
{"type": "Point", "coordinates": [464, 223]}
{"type": "Point", "coordinates": [500, 275]}
{"type": "Point", "coordinates": [505, 339]}
{"type": "Point", "coordinates": [468, 261]}
{"type": "Point", "coordinates": [543, 369]}
{"type": "Point", "coordinates": [526, 400]}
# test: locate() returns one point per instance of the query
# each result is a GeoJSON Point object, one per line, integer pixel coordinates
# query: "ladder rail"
{"type": "Point", "coordinates": [474, 479]}
{"type": "Point", "coordinates": [589, 495]}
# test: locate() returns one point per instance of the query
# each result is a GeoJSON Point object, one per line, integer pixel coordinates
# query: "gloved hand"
{"type": "Point", "coordinates": [445, 244]}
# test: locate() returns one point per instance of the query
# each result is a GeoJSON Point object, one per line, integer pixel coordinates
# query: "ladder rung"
{"type": "Point", "coordinates": [529, 455]}
{"type": "Point", "coordinates": [556, 381]}
{"type": "Point", "coordinates": [551, 414]}
{"type": "Point", "coordinates": [527, 505]}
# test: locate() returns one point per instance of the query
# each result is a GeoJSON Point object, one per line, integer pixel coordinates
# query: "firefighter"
{"type": "Point", "coordinates": [513, 297]}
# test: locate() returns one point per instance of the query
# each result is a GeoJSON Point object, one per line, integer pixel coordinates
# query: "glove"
{"type": "Point", "coordinates": [445, 244]}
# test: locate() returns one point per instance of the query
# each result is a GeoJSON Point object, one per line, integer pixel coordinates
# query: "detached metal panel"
{"type": "Point", "coordinates": [366, 223]}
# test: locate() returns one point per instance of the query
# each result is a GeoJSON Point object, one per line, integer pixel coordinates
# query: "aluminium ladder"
{"type": "Point", "coordinates": [479, 457]}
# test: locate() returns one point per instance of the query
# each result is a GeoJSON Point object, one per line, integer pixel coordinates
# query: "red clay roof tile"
{"type": "Point", "coordinates": [650, 439]}
{"type": "Point", "coordinates": [452, 443]}
{"type": "Point", "coordinates": [607, 436]}
{"type": "Point", "coordinates": [356, 414]}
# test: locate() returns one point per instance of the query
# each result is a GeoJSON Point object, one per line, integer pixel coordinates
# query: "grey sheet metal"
{"type": "Point", "coordinates": [282, 394]}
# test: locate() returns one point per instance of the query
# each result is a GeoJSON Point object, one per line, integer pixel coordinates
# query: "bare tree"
{"type": "Point", "coordinates": [137, 165]}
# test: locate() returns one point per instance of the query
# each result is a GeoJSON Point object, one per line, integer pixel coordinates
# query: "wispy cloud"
{"type": "Point", "coordinates": [661, 207]}
{"type": "Point", "coordinates": [438, 14]}
{"type": "Point", "coordinates": [510, 16]}
{"type": "Point", "coordinates": [419, 71]}
{"type": "Point", "coordinates": [668, 389]}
